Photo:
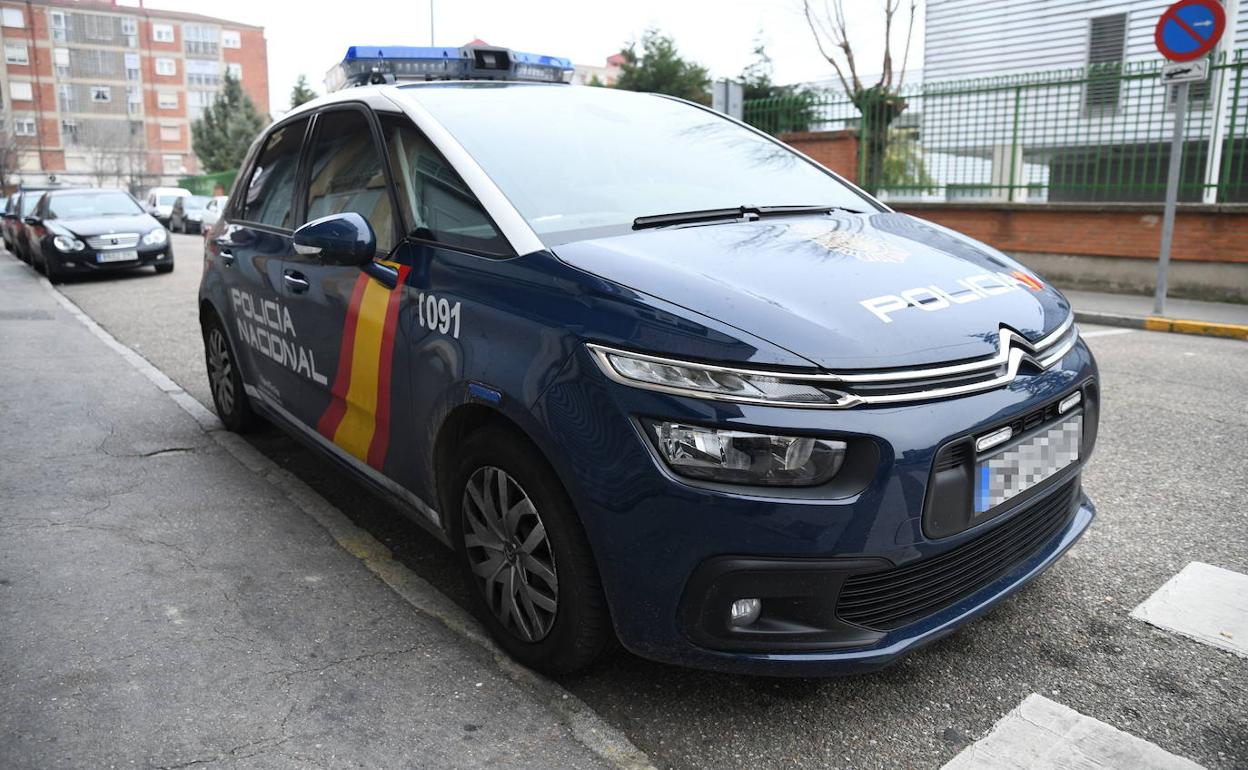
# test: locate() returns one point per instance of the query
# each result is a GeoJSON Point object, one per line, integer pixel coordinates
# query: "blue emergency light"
{"type": "Point", "coordinates": [364, 65]}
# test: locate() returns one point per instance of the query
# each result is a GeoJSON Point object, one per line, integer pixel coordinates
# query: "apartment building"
{"type": "Point", "coordinates": [93, 92]}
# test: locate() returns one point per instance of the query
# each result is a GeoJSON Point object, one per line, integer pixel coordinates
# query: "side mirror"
{"type": "Point", "coordinates": [33, 221]}
{"type": "Point", "coordinates": [338, 239]}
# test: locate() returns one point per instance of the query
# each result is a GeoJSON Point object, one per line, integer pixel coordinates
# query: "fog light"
{"type": "Point", "coordinates": [744, 612]}
{"type": "Point", "coordinates": [1070, 402]}
{"type": "Point", "coordinates": [996, 438]}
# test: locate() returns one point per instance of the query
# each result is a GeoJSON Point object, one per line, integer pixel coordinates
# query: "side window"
{"type": "Point", "coordinates": [348, 175]}
{"type": "Point", "coordinates": [270, 193]}
{"type": "Point", "coordinates": [438, 203]}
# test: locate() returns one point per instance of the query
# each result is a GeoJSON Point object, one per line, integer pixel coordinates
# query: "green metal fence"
{"type": "Point", "coordinates": [209, 184]}
{"type": "Point", "coordinates": [1090, 134]}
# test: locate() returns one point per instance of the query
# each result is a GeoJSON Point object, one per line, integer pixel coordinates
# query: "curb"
{"type": "Point", "coordinates": [584, 725]}
{"type": "Point", "coordinates": [1162, 324]}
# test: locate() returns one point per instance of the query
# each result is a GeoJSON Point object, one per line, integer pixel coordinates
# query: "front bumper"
{"type": "Point", "coordinates": [673, 553]}
{"type": "Point", "coordinates": [86, 261]}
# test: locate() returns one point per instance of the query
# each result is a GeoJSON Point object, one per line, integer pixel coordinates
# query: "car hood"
{"type": "Point", "coordinates": [845, 291]}
{"type": "Point", "coordinates": [91, 226]}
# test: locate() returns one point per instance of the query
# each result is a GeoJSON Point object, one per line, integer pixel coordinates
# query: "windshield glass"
{"type": "Point", "coordinates": [103, 203]}
{"type": "Point", "coordinates": [194, 202]}
{"type": "Point", "coordinates": [578, 162]}
{"type": "Point", "coordinates": [29, 201]}
{"type": "Point", "coordinates": [166, 200]}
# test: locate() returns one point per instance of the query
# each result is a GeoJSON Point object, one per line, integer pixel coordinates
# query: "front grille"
{"type": "Point", "coordinates": [895, 597]}
{"type": "Point", "coordinates": [114, 241]}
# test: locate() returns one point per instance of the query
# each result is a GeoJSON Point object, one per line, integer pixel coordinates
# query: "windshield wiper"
{"type": "Point", "coordinates": [740, 212]}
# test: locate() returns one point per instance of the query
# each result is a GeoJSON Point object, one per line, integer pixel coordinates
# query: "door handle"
{"type": "Point", "coordinates": [296, 282]}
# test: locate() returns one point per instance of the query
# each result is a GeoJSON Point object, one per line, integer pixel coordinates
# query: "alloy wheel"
{"type": "Point", "coordinates": [221, 370]}
{"type": "Point", "coordinates": [510, 554]}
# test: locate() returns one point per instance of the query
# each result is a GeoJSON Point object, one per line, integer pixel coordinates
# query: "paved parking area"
{"type": "Point", "coordinates": [1169, 479]}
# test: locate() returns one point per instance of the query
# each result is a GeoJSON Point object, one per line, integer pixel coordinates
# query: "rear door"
{"type": "Point", "coordinates": [252, 246]}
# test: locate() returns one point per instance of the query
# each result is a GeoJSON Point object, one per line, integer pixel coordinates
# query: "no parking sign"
{"type": "Point", "coordinates": [1190, 29]}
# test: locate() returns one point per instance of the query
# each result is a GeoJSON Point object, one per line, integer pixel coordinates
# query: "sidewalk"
{"type": "Point", "coordinates": [161, 605]}
{"type": "Point", "coordinates": [1189, 316]}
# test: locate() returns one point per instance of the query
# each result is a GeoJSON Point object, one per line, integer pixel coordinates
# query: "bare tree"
{"type": "Point", "coordinates": [10, 154]}
{"type": "Point", "coordinates": [114, 151]}
{"type": "Point", "coordinates": [881, 102]}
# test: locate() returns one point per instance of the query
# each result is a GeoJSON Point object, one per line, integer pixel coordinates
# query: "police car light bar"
{"type": "Point", "coordinates": [364, 65]}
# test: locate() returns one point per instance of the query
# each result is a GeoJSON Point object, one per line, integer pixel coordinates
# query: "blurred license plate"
{"type": "Point", "coordinates": [124, 255]}
{"type": "Point", "coordinates": [1029, 462]}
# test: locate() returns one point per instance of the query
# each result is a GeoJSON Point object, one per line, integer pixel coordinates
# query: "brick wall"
{"type": "Point", "coordinates": [253, 56]}
{"type": "Point", "coordinates": [838, 150]}
{"type": "Point", "coordinates": [1202, 233]}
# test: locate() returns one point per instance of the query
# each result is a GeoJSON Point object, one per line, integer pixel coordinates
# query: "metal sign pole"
{"type": "Point", "coordinates": [1172, 198]}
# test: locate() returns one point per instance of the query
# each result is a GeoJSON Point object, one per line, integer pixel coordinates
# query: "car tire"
{"type": "Point", "coordinates": [532, 576]}
{"type": "Point", "coordinates": [225, 379]}
{"type": "Point", "coordinates": [50, 271]}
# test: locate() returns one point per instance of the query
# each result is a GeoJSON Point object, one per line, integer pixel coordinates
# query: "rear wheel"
{"type": "Point", "coordinates": [233, 406]}
{"type": "Point", "coordinates": [522, 548]}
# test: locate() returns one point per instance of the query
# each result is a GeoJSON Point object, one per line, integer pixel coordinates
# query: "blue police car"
{"type": "Point", "coordinates": [654, 376]}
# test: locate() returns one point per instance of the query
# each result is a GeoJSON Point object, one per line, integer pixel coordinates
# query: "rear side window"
{"type": "Point", "coordinates": [348, 175]}
{"type": "Point", "coordinates": [438, 203]}
{"type": "Point", "coordinates": [271, 188]}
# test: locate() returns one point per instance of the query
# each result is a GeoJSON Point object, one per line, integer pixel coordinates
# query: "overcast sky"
{"type": "Point", "coordinates": [718, 35]}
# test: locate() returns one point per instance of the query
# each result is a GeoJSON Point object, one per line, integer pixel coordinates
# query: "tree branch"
{"type": "Point", "coordinates": [905, 58]}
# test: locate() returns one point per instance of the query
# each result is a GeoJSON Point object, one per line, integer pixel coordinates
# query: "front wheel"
{"type": "Point", "coordinates": [226, 380]}
{"type": "Point", "coordinates": [522, 548]}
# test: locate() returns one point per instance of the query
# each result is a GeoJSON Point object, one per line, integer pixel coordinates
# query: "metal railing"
{"type": "Point", "coordinates": [1091, 134]}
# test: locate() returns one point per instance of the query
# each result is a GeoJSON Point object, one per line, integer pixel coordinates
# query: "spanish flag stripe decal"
{"type": "Point", "coordinates": [355, 432]}
{"type": "Point", "coordinates": [342, 380]}
{"type": "Point", "coordinates": [381, 435]}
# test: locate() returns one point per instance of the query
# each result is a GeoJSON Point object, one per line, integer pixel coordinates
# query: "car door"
{"type": "Point", "coordinates": [251, 247]}
{"type": "Point", "coordinates": [348, 315]}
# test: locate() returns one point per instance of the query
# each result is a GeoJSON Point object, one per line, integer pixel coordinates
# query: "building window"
{"type": "Point", "coordinates": [162, 33]}
{"type": "Point", "coordinates": [60, 58]}
{"type": "Point", "coordinates": [20, 92]}
{"type": "Point", "coordinates": [101, 93]}
{"type": "Point", "coordinates": [231, 38]}
{"type": "Point", "coordinates": [166, 67]}
{"type": "Point", "coordinates": [132, 66]}
{"type": "Point", "coordinates": [201, 38]}
{"type": "Point", "coordinates": [65, 98]}
{"type": "Point", "coordinates": [24, 126]}
{"type": "Point", "coordinates": [130, 28]}
{"type": "Point", "coordinates": [99, 29]}
{"type": "Point", "coordinates": [203, 72]}
{"type": "Point", "coordinates": [172, 164]}
{"type": "Point", "coordinates": [169, 132]}
{"type": "Point", "coordinates": [167, 100]}
{"type": "Point", "coordinates": [60, 26]}
{"type": "Point", "coordinates": [1107, 40]}
{"type": "Point", "coordinates": [234, 70]}
{"type": "Point", "coordinates": [69, 131]}
{"type": "Point", "coordinates": [15, 53]}
{"type": "Point", "coordinates": [12, 17]}
{"type": "Point", "coordinates": [134, 100]}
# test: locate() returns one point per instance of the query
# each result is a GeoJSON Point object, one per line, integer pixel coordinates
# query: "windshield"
{"type": "Point", "coordinates": [578, 162]}
{"type": "Point", "coordinates": [194, 202]}
{"type": "Point", "coordinates": [81, 205]}
{"type": "Point", "coordinates": [166, 200]}
{"type": "Point", "coordinates": [29, 201]}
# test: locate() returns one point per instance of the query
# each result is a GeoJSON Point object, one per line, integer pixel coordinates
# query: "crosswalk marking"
{"type": "Point", "coordinates": [1041, 734]}
{"type": "Point", "coordinates": [1202, 602]}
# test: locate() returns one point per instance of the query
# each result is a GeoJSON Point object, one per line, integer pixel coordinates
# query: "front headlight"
{"type": "Point", "coordinates": [737, 457]}
{"type": "Point", "coordinates": [156, 237]}
{"type": "Point", "coordinates": [719, 382]}
{"type": "Point", "coordinates": [66, 243]}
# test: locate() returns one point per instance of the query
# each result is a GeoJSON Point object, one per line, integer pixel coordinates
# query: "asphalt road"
{"type": "Point", "coordinates": [1169, 479]}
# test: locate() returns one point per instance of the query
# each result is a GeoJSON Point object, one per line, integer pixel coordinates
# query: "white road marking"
{"type": "Point", "coordinates": [1105, 333]}
{"type": "Point", "coordinates": [1041, 735]}
{"type": "Point", "coordinates": [1202, 602]}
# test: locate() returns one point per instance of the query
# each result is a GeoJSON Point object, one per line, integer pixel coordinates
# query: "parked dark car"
{"type": "Point", "coordinates": [7, 224]}
{"type": "Point", "coordinates": [187, 215]}
{"type": "Point", "coordinates": [15, 228]}
{"type": "Point", "coordinates": [90, 230]}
